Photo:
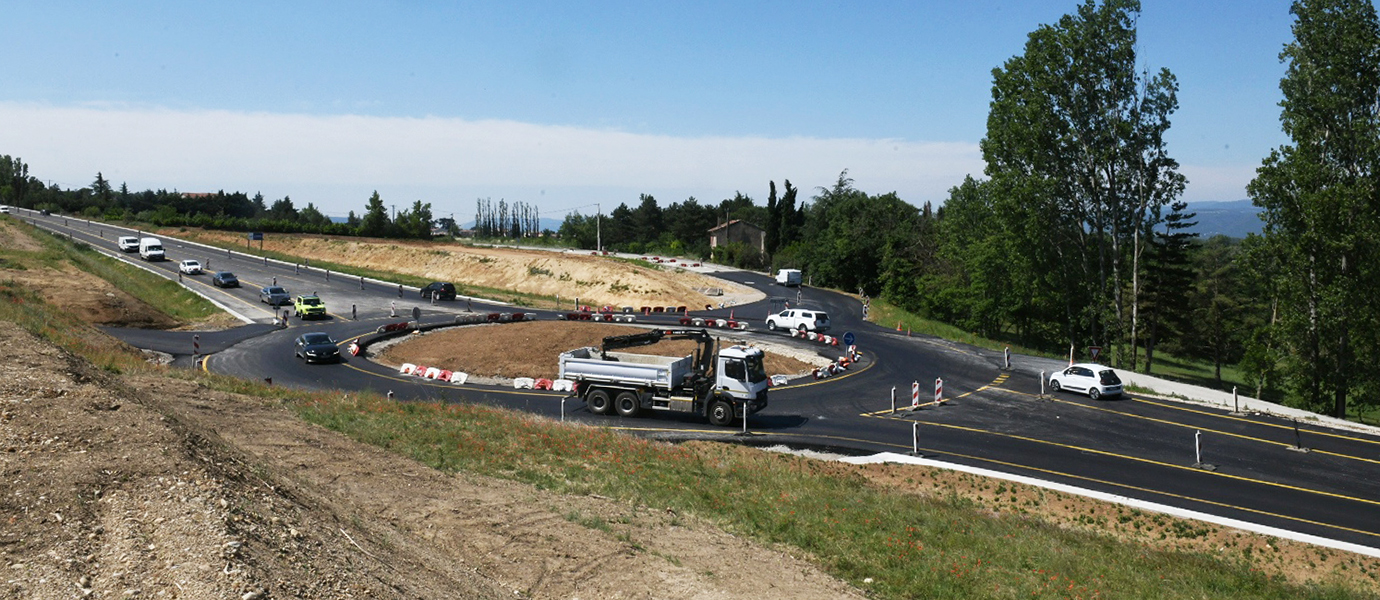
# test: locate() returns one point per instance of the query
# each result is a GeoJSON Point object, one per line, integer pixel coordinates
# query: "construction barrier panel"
{"type": "Point", "coordinates": [779, 380]}
{"type": "Point", "coordinates": [458, 378]}
{"type": "Point", "coordinates": [432, 373]}
{"type": "Point", "coordinates": [542, 384]}
{"type": "Point", "coordinates": [407, 369]}
{"type": "Point", "coordinates": [563, 385]}
{"type": "Point", "coordinates": [524, 383]}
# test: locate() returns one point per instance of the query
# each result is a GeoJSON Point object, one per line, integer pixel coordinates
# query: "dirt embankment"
{"type": "Point", "coordinates": [596, 281]}
{"type": "Point", "coordinates": [531, 349]}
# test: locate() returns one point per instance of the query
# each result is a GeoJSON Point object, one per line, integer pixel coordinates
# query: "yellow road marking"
{"type": "Point", "coordinates": [1137, 459]}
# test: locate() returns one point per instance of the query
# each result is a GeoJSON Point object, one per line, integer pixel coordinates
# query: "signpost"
{"type": "Point", "coordinates": [1094, 352]}
{"type": "Point", "coordinates": [849, 339]}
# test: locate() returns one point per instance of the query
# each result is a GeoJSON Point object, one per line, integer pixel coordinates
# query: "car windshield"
{"type": "Point", "coordinates": [317, 338]}
{"type": "Point", "coordinates": [821, 317]}
{"type": "Point", "coordinates": [275, 291]}
{"type": "Point", "coordinates": [311, 301]}
{"type": "Point", "coordinates": [1109, 377]}
{"type": "Point", "coordinates": [755, 371]}
{"type": "Point", "coordinates": [191, 263]}
{"type": "Point", "coordinates": [225, 275]}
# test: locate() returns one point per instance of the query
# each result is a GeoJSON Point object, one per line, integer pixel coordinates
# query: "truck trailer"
{"type": "Point", "coordinates": [722, 385]}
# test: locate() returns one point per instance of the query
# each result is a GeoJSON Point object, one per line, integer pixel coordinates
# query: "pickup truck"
{"type": "Point", "coordinates": [801, 319]}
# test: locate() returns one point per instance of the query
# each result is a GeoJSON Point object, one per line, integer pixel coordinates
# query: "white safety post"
{"type": "Point", "coordinates": [745, 412]}
{"type": "Point", "coordinates": [563, 408]}
{"type": "Point", "coordinates": [1198, 446]}
{"type": "Point", "coordinates": [893, 398]}
{"type": "Point", "coordinates": [1042, 384]}
{"type": "Point", "coordinates": [361, 282]}
{"type": "Point", "coordinates": [1235, 400]}
{"type": "Point", "coordinates": [392, 310]}
{"type": "Point", "coordinates": [1008, 358]}
{"type": "Point", "coordinates": [328, 274]}
{"type": "Point", "coordinates": [915, 439]}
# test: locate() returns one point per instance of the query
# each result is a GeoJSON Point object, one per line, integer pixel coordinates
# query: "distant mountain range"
{"type": "Point", "coordinates": [1234, 218]}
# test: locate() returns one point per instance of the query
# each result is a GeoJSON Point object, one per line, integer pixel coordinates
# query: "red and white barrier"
{"type": "Point", "coordinates": [432, 373]}
{"type": "Point", "coordinates": [915, 395]}
{"type": "Point", "coordinates": [542, 384]}
{"type": "Point", "coordinates": [407, 369]}
{"type": "Point", "coordinates": [524, 383]}
{"type": "Point", "coordinates": [353, 349]}
{"type": "Point", "coordinates": [459, 378]}
{"type": "Point", "coordinates": [938, 390]}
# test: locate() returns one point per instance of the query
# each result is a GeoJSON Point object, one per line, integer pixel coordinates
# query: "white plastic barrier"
{"type": "Point", "coordinates": [779, 380]}
{"type": "Point", "coordinates": [697, 322]}
{"type": "Point", "coordinates": [407, 368]}
{"type": "Point", "coordinates": [432, 373]}
{"type": "Point", "coordinates": [562, 385]}
{"type": "Point", "coordinates": [524, 383]}
{"type": "Point", "coordinates": [458, 378]}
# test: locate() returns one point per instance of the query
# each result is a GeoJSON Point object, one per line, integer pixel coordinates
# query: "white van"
{"type": "Point", "coordinates": [788, 277]}
{"type": "Point", "coordinates": [151, 249]}
{"type": "Point", "coordinates": [128, 243]}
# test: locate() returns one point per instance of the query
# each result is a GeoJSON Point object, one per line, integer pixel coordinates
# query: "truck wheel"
{"type": "Point", "coordinates": [721, 413]}
{"type": "Point", "coordinates": [626, 404]}
{"type": "Point", "coordinates": [598, 402]}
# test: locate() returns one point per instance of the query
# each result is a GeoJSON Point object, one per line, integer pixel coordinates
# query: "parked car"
{"type": "Point", "coordinates": [316, 347]}
{"type": "Point", "coordinates": [1092, 379]}
{"type": "Point", "coordinates": [189, 267]}
{"type": "Point", "coordinates": [803, 320]}
{"type": "Point", "coordinates": [308, 306]}
{"type": "Point", "coordinates": [441, 290]}
{"type": "Point", "coordinates": [225, 279]}
{"type": "Point", "coordinates": [275, 296]}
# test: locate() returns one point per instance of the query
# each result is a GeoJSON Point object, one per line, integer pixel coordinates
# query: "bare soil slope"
{"type": "Point", "coordinates": [596, 281]}
{"type": "Point", "coordinates": [531, 349]}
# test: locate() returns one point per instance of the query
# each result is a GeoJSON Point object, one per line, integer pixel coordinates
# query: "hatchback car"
{"type": "Point", "coordinates": [189, 267]}
{"type": "Point", "coordinates": [225, 279]}
{"type": "Point", "coordinates": [441, 290]}
{"type": "Point", "coordinates": [1092, 379]}
{"type": "Point", "coordinates": [274, 296]}
{"type": "Point", "coordinates": [316, 347]}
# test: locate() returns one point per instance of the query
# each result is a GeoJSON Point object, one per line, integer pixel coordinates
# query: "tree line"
{"type": "Point", "coordinates": [1074, 235]}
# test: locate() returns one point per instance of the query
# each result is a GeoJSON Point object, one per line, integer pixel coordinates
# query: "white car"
{"type": "Point", "coordinates": [803, 320]}
{"type": "Point", "coordinates": [189, 267]}
{"type": "Point", "coordinates": [1092, 379]}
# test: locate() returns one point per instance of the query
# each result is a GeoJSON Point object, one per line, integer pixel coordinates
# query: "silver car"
{"type": "Point", "coordinates": [275, 296]}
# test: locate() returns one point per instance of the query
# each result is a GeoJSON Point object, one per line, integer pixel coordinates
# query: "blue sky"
{"type": "Point", "coordinates": [566, 104]}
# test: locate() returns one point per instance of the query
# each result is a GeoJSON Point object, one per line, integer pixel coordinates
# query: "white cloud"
{"type": "Point", "coordinates": [336, 161]}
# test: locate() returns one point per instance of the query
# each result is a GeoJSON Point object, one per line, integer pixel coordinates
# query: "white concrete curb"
{"type": "Point", "coordinates": [891, 457]}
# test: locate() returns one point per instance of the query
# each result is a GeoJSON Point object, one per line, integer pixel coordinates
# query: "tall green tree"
{"type": "Point", "coordinates": [375, 222]}
{"type": "Point", "coordinates": [1078, 166]}
{"type": "Point", "coordinates": [1319, 195]}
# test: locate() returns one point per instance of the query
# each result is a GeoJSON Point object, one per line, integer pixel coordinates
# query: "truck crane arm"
{"type": "Point", "coordinates": [703, 358]}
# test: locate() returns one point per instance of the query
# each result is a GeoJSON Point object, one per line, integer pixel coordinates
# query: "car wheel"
{"type": "Point", "coordinates": [721, 413]}
{"type": "Point", "coordinates": [771, 325]}
{"type": "Point", "coordinates": [626, 404]}
{"type": "Point", "coordinates": [598, 402]}
{"type": "Point", "coordinates": [1054, 385]}
{"type": "Point", "coordinates": [1094, 393]}
{"type": "Point", "coordinates": [802, 328]}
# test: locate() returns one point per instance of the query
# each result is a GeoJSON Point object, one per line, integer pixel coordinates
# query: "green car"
{"type": "Point", "coordinates": [308, 307]}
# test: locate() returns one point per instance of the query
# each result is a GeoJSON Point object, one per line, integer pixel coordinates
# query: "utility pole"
{"type": "Point", "coordinates": [598, 231]}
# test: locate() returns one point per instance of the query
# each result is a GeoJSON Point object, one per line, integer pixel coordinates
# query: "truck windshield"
{"type": "Point", "coordinates": [755, 371]}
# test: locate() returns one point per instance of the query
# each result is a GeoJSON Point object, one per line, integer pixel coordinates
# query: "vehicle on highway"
{"type": "Point", "coordinates": [308, 306]}
{"type": "Point", "coordinates": [788, 277]}
{"type": "Point", "coordinates": [802, 320]}
{"type": "Point", "coordinates": [44, 212]}
{"type": "Point", "coordinates": [441, 290]}
{"type": "Point", "coordinates": [127, 243]}
{"type": "Point", "coordinates": [717, 385]}
{"type": "Point", "coordinates": [225, 279]}
{"type": "Point", "coordinates": [274, 296]}
{"type": "Point", "coordinates": [1089, 378]}
{"type": "Point", "coordinates": [189, 267]}
{"type": "Point", "coordinates": [316, 347]}
{"type": "Point", "coordinates": [151, 249]}
{"type": "Point", "coordinates": [4, 209]}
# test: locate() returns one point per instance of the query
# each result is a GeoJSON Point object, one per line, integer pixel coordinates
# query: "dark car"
{"type": "Point", "coordinates": [274, 296]}
{"type": "Point", "coordinates": [439, 289]}
{"type": "Point", "coordinates": [316, 347]}
{"type": "Point", "coordinates": [225, 279]}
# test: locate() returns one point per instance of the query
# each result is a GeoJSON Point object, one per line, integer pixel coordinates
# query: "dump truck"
{"type": "Point", "coordinates": [722, 385]}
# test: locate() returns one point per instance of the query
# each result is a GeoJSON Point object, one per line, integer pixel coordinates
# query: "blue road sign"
{"type": "Point", "coordinates": [848, 338]}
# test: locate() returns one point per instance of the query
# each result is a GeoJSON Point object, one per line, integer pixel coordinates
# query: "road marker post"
{"type": "Point", "coordinates": [938, 391]}
{"type": "Point", "coordinates": [1298, 439]}
{"type": "Point", "coordinates": [915, 439]}
{"type": "Point", "coordinates": [893, 399]}
{"type": "Point", "coordinates": [196, 346]}
{"type": "Point", "coordinates": [1042, 384]}
{"type": "Point", "coordinates": [915, 395]}
{"type": "Point", "coordinates": [1198, 452]}
{"type": "Point", "coordinates": [361, 282]}
{"type": "Point", "coordinates": [328, 274]}
{"type": "Point", "coordinates": [392, 310]}
{"type": "Point", "coordinates": [1008, 358]}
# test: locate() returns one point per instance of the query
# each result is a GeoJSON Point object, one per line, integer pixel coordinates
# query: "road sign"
{"type": "Point", "coordinates": [1094, 352]}
{"type": "Point", "coordinates": [416, 313]}
{"type": "Point", "coordinates": [849, 338]}
{"type": "Point", "coordinates": [257, 236]}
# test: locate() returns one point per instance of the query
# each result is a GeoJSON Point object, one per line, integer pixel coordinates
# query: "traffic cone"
{"type": "Point", "coordinates": [898, 326]}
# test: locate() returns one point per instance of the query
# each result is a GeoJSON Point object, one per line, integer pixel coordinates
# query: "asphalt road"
{"type": "Point", "coordinates": [1253, 468]}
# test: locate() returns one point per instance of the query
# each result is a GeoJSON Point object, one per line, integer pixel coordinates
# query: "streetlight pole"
{"type": "Point", "coordinates": [598, 230]}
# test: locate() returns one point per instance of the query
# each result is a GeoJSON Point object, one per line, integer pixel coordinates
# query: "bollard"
{"type": "Point", "coordinates": [1042, 384]}
{"type": "Point", "coordinates": [1008, 358]}
{"type": "Point", "coordinates": [1298, 439]}
{"type": "Point", "coordinates": [354, 314]}
{"type": "Point", "coordinates": [563, 398]}
{"type": "Point", "coordinates": [361, 282]}
{"type": "Point", "coordinates": [296, 269]}
{"type": "Point", "coordinates": [915, 439]}
{"type": "Point", "coordinates": [227, 253]}
{"type": "Point", "coordinates": [399, 290]}
{"type": "Point", "coordinates": [265, 261]}
{"type": "Point", "coordinates": [893, 398]}
{"type": "Point", "coordinates": [1236, 403]}
{"type": "Point", "coordinates": [179, 276]}
{"type": "Point", "coordinates": [390, 394]}
{"type": "Point", "coordinates": [1198, 447]}
{"type": "Point", "coordinates": [915, 395]}
{"type": "Point", "coordinates": [938, 391]}
{"type": "Point", "coordinates": [392, 309]}
{"type": "Point", "coordinates": [196, 345]}
{"type": "Point", "coordinates": [745, 412]}
{"type": "Point", "coordinates": [275, 280]}
{"type": "Point", "coordinates": [433, 297]}
{"type": "Point", "coordinates": [328, 274]}
{"type": "Point", "coordinates": [208, 264]}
